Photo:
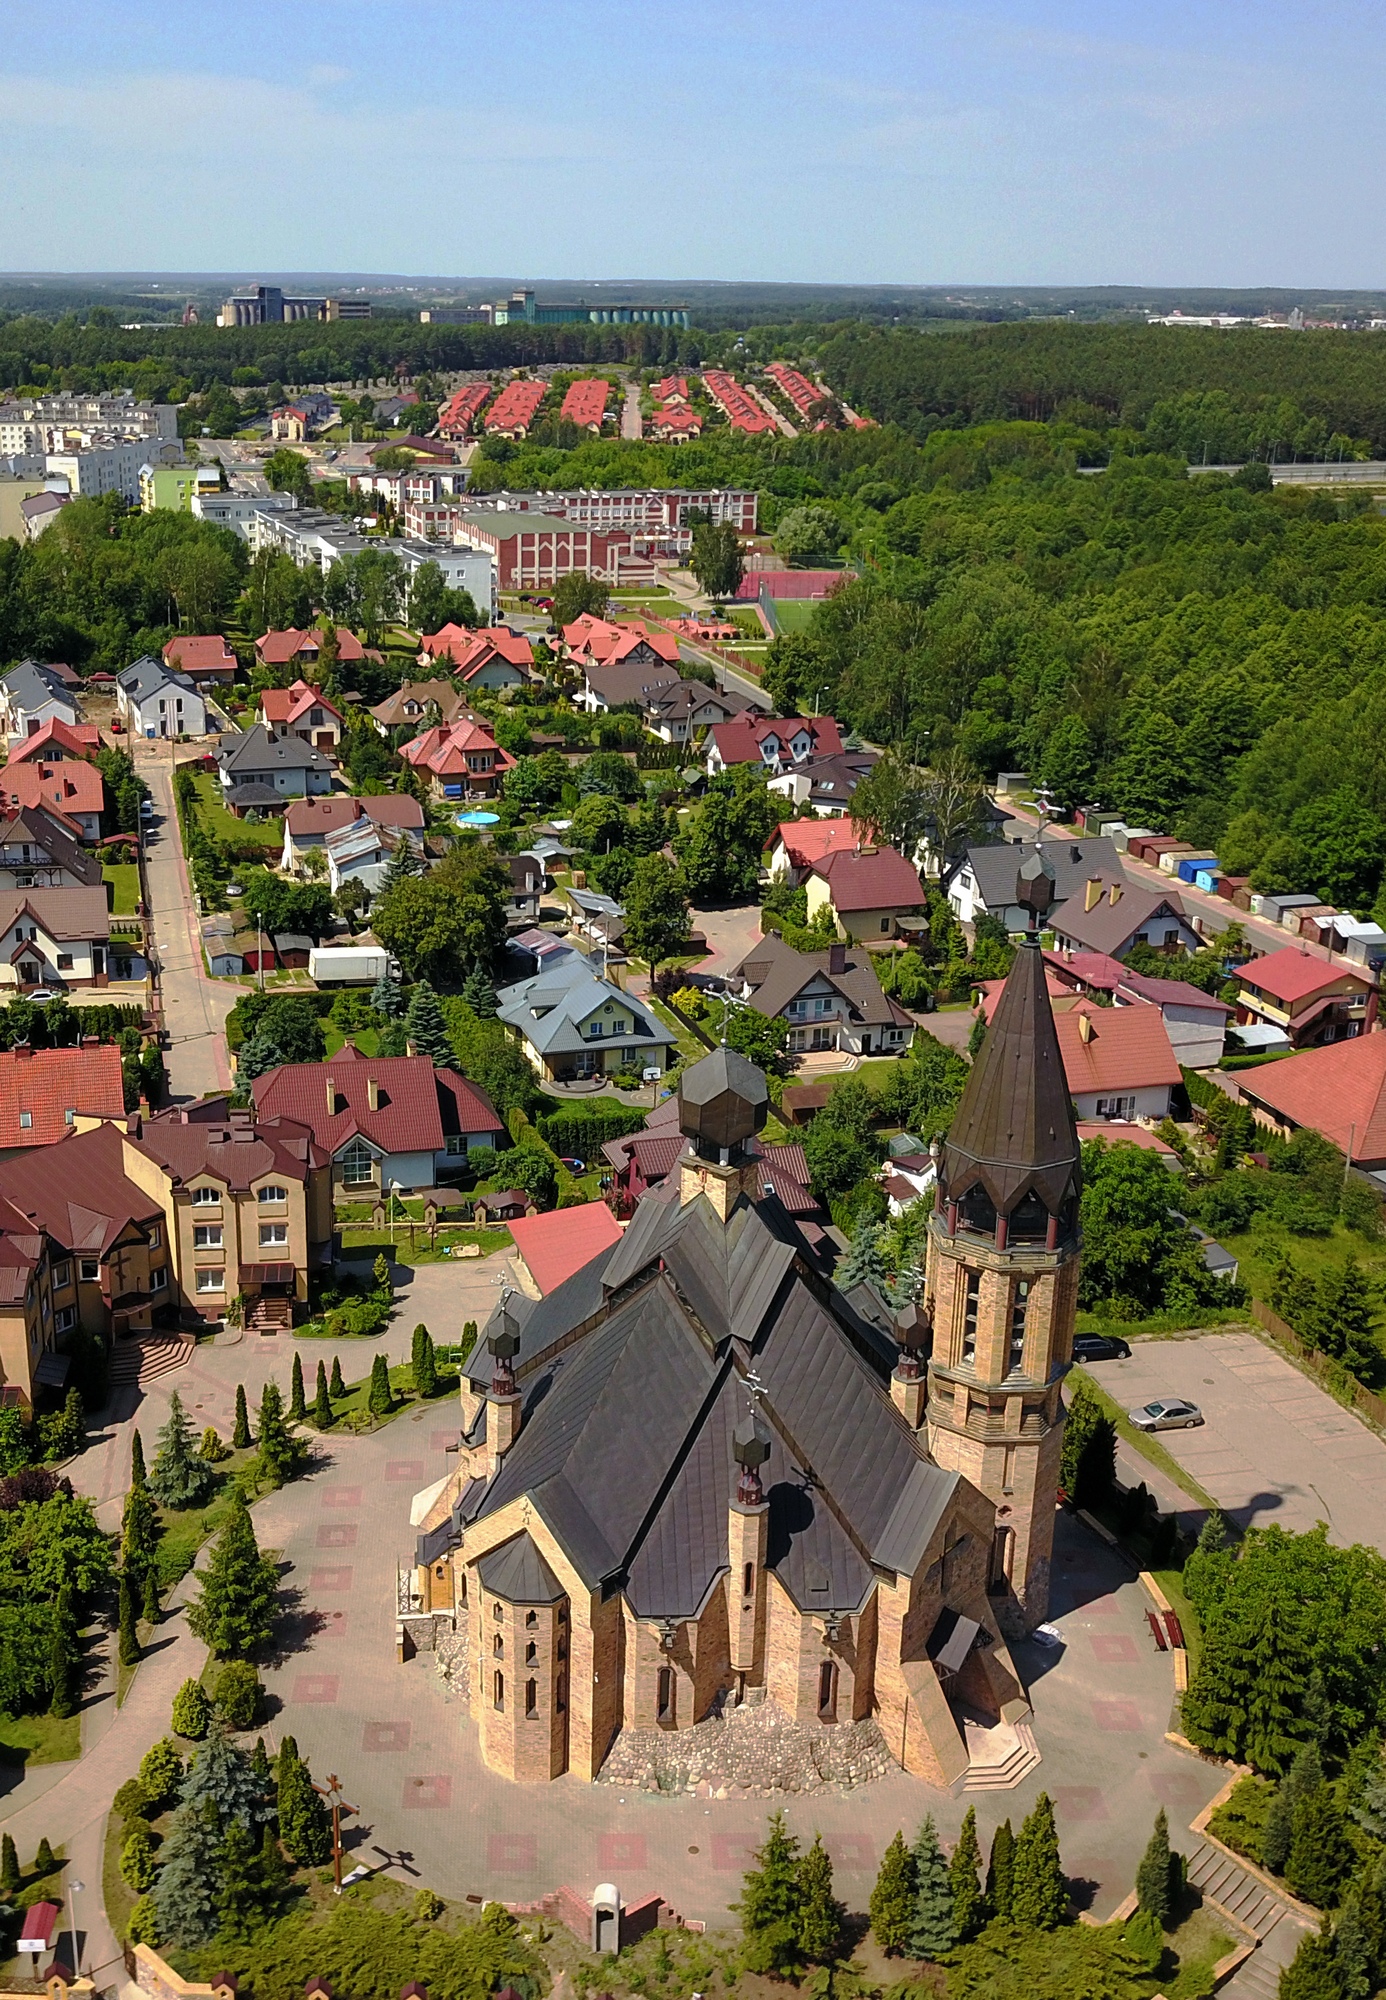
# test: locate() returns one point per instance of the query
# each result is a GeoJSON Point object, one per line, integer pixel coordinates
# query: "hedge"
{"type": "Point", "coordinates": [574, 1137]}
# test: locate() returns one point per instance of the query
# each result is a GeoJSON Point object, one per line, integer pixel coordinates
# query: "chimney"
{"type": "Point", "coordinates": [331, 1098]}
{"type": "Point", "coordinates": [373, 1093]}
{"type": "Point", "coordinates": [1114, 894]}
{"type": "Point", "coordinates": [1085, 1027]}
{"type": "Point", "coordinates": [1092, 895]}
{"type": "Point", "coordinates": [21, 1052]}
{"type": "Point", "coordinates": [837, 958]}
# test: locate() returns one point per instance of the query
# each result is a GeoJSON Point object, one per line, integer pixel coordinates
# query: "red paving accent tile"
{"type": "Point", "coordinates": [333, 1624]}
{"type": "Point", "coordinates": [341, 1496]}
{"type": "Point", "coordinates": [423, 1794]}
{"type": "Point", "coordinates": [622, 1850]}
{"type": "Point", "coordinates": [404, 1468]}
{"type": "Point", "coordinates": [1114, 1649]}
{"type": "Point", "coordinates": [315, 1687]}
{"type": "Point", "coordinates": [338, 1578]}
{"type": "Point", "coordinates": [385, 1736]}
{"type": "Point", "coordinates": [733, 1850]}
{"type": "Point", "coordinates": [1179, 1790]}
{"type": "Point", "coordinates": [1116, 1715]}
{"type": "Point", "coordinates": [1079, 1802]}
{"type": "Point", "coordinates": [337, 1535]}
{"type": "Point", "coordinates": [1102, 1607]}
{"type": "Point", "coordinates": [850, 1852]}
{"type": "Point", "coordinates": [440, 1440]}
{"type": "Point", "coordinates": [512, 1853]}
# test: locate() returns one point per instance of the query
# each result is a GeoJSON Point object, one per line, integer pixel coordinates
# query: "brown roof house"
{"type": "Point", "coordinates": [868, 889]}
{"type": "Point", "coordinates": [1339, 1090]}
{"type": "Point", "coordinates": [828, 999]}
{"type": "Point", "coordinates": [697, 1474]}
{"type": "Point", "coordinates": [1107, 913]}
{"type": "Point", "coordinates": [1119, 1061]}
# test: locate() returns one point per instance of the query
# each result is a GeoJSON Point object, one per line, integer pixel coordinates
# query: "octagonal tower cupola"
{"type": "Point", "coordinates": [723, 1103]}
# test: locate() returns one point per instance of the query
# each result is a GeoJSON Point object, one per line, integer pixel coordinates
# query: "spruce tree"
{"type": "Point", "coordinates": [192, 1712]}
{"type": "Point", "coordinates": [479, 994]}
{"type": "Point", "coordinates": [820, 1916]}
{"type": "Point", "coordinates": [179, 1478]}
{"type": "Point", "coordinates": [403, 863]}
{"type": "Point", "coordinates": [337, 1387]}
{"type": "Point", "coordinates": [424, 1365]}
{"type": "Point", "coordinates": [964, 1879]}
{"type": "Point", "coordinates": [1304, 1776]}
{"type": "Point", "coordinates": [45, 1860]}
{"type": "Point", "coordinates": [240, 1897]}
{"type": "Point", "coordinates": [279, 1454]}
{"type": "Point", "coordinates": [426, 1028]}
{"type": "Point", "coordinates": [1001, 1872]}
{"type": "Point", "coordinates": [1321, 1855]}
{"type": "Point", "coordinates": [298, 1408]}
{"type": "Point", "coordinates": [305, 1826]}
{"type": "Point", "coordinates": [1153, 1875]}
{"type": "Point", "coordinates": [137, 1472]}
{"type": "Point", "coordinates": [1277, 1667]}
{"type": "Point", "coordinates": [864, 1263]}
{"type": "Point", "coordinates": [184, 1892]}
{"type": "Point", "coordinates": [931, 1917]}
{"type": "Point", "coordinates": [10, 1878]}
{"type": "Point", "coordinates": [387, 998]}
{"type": "Point", "coordinates": [322, 1402]}
{"type": "Point", "coordinates": [64, 1657]}
{"type": "Point", "coordinates": [892, 1899]}
{"type": "Point", "coordinates": [1039, 1894]}
{"type": "Point", "coordinates": [127, 1622]}
{"type": "Point", "coordinates": [770, 1905]}
{"type": "Point", "coordinates": [240, 1432]}
{"type": "Point", "coordinates": [234, 1612]}
{"type": "Point", "coordinates": [274, 1875]}
{"type": "Point", "coordinates": [1313, 1973]}
{"type": "Point", "coordinates": [379, 1400]}
{"type": "Point", "coordinates": [1354, 1950]}
{"type": "Point", "coordinates": [220, 1775]}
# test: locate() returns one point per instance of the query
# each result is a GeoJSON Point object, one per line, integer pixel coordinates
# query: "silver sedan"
{"type": "Point", "coordinates": [1172, 1413]}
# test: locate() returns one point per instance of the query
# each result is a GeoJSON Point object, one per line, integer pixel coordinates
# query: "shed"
{"type": "Point", "coordinates": [1189, 867]}
{"type": "Point", "coordinates": [292, 950]}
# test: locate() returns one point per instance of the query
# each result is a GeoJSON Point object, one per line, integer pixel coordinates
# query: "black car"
{"type": "Point", "coordinates": [1100, 1347]}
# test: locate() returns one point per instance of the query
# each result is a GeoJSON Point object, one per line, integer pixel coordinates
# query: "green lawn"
{"type": "Point", "coordinates": [690, 1048]}
{"type": "Point", "coordinates": [369, 1238]}
{"type": "Point", "coordinates": [794, 614]}
{"type": "Point", "coordinates": [40, 1739]}
{"type": "Point", "coordinates": [124, 878]}
{"type": "Point", "coordinates": [222, 825]}
{"type": "Point", "coordinates": [367, 1040]}
{"type": "Point", "coordinates": [1258, 1247]}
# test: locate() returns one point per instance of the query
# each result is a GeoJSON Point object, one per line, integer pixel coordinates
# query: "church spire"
{"type": "Point", "coordinates": [1013, 1133]}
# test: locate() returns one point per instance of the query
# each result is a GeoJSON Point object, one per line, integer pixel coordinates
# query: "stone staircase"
{"type": "Point", "coordinates": [270, 1316]}
{"type": "Point", "coordinates": [1277, 1928]}
{"type": "Point", "coordinates": [999, 1756]}
{"type": "Point", "coordinates": [143, 1357]}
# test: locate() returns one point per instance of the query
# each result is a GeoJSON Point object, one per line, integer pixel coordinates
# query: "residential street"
{"type": "Point", "coordinates": [632, 423]}
{"type": "Point", "coordinates": [195, 1007]}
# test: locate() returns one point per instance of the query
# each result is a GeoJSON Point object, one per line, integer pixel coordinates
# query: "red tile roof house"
{"type": "Point", "coordinates": [515, 409]}
{"type": "Point", "coordinates": [301, 649]}
{"type": "Point", "coordinates": [304, 711]}
{"type": "Point", "coordinates": [868, 890]}
{"type": "Point", "coordinates": [674, 424]}
{"type": "Point", "coordinates": [1118, 1061]}
{"type": "Point", "coordinates": [550, 1248]}
{"type": "Point", "coordinates": [48, 1094]}
{"type": "Point", "coordinates": [495, 657]}
{"type": "Point", "coordinates": [71, 788]}
{"type": "Point", "coordinates": [585, 404]}
{"type": "Point", "coordinates": [205, 659]}
{"type": "Point", "coordinates": [1339, 1091]}
{"type": "Point", "coordinates": [1308, 999]}
{"type": "Point", "coordinates": [386, 1121]}
{"type": "Point", "coordinates": [796, 844]}
{"type": "Point", "coordinates": [463, 760]}
{"type": "Point", "coordinates": [1196, 1021]}
{"type": "Point", "coordinates": [57, 739]}
{"type": "Point", "coordinates": [601, 642]}
{"type": "Point", "coordinates": [778, 743]}
{"type": "Point", "coordinates": [307, 822]}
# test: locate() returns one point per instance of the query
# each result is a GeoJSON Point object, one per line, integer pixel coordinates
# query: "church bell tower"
{"type": "Point", "coordinates": [1003, 1287]}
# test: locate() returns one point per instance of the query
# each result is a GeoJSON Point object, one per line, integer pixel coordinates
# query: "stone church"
{"type": "Point", "coordinates": [698, 1473]}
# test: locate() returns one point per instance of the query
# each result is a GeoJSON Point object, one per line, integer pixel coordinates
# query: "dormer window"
{"type": "Point", "coordinates": [206, 1197]}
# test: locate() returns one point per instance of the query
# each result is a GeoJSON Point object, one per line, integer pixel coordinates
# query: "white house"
{"type": "Point", "coordinates": [32, 694]}
{"type": "Point", "coordinates": [156, 701]}
{"type": "Point", "coordinates": [363, 851]}
{"type": "Point", "coordinates": [283, 765]}
{"type": "Point", "coordinates": [54, 938]}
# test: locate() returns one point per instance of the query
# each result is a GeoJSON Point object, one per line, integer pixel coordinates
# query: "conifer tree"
{"type": "Point", "coordinates": [1321, 1855]}
{"type": "Point", "coordinates": [274, 1875]}
{"type": "Point", "coordinates": [128, 1646]}
{"type": "Point", "coordinates": [426, 1028]}
{"type": "Point", "coordinates": [931, 1917]}
{"type": "Point", "coordinates": [179, 1478]}
{"type": "Point", "coordinates": [1353, 1949]}
{"type": "Point", "coordinates": [1001, 1872]}
{"type": "Point", "coordinates": [379, 1400]}
{"type": "Point", "coordinates": [240, 1432]}
{"type": "Point", "coordinates": [892, 1899]}
{"type": "Point", "coordinates": [403, 863]}
{"type": "Point", "coordinates": [261, 1766]}
{"type": "Point", "coordinates": [964, 1879]}
{"type": "Point", "coordinates": [387, 998]}
{"type": "Point", "coordinates": [139, 1530]}
{"type": "Point", "coordinates": [220, 1775]}
{"type": "Point", "coordinates": [1304, 1776]}
{"type": "Point", "coordinates": [279, 1454]}
{"type": "Point", "coordinates": [820, 1916]}
{"type": "Point", "coordinates": [161, 1770]}
{"type": "Point", "coordinates": [149, 1602]}
{"type": "Point", "coordinates": [240, 1900]}
{"type": "Point", "coordinates": [192, 1712]}
{"type": "Point", "coordinates": [234, 1612]}
{"type": "Point", "coordinates": [322, 1402]}
{"type": "Point", "coordinates": [137, 1858]}
{"type": "Point", "coordinates": [337, 1387]}
{"type": "Point", "coordinates": [45, 1860]}
{"type": "Point", "coordinates": [424, 1365]}
{"type": "Point", "coordinates": [1313, 1973]}
{"type": "Point", "coordinates": [1153, 1876]}
{"type": "Point", "coordinates": [305, 1826]}
{"type": "Point", "coordinates": [380, 1272]}
{"type": "Point", "coordinates": [137, 1472]}
{"type": "Point", "coordinates": [65, 1656]}
{"type": "Point", "coordinates": [298, 1408]}
{"type": "Point", "coordinates": [10, 1878]}
{"type": "Point", "coordinates": [479, 994]}
{"type": "Point", "coordinates": [1039, 1894]}
{"type": "Point", "coordinates": [771, 1904]}
{"type": "Point", "coordinates": [184, 1892]}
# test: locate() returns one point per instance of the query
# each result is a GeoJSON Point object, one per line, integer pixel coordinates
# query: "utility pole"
{"type": "Point", "coordinates": [332, 1790]}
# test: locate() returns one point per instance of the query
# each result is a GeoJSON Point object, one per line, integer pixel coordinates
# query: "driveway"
{"type": "Point", "coordinates": [730, 934]}
{"type": "Point", "coordinates": [195, 1007]}
{"type": "Point", "coordinates": [1273, 1446]}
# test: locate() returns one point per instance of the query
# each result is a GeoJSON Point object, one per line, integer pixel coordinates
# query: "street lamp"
{"type": "Point", "coordinates": [75, 1889]}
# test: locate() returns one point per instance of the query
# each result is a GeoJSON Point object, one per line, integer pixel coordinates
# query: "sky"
{"type": "Point", "coordinates": [1221, 143]}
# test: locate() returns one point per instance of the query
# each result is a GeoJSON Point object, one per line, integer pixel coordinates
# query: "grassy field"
{"type": "Point", "coordinates": [1259, 1247]}
{"type": "Point", "coordinates": [794, 614]}
{"type": "Point", "coordinates": [124, 878]}
{"type": "Point", "coordinates": [690, 1048]}
{"type": "Point", "coordinates": [222, 825]}
{"type": "Point", "coordinates": [367, 1040]}
{"type": "Point", "coordinates": [40, 1739]}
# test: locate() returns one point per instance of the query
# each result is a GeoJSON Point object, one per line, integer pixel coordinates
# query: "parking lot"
{"type": "Point", "coordinates": [1272, 1447]}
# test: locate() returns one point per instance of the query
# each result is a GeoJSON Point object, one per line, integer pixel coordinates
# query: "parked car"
{"type": "Point", "coordinates": [146, 808]}
{"type": "Point", "coordinates": [1100, 1347]}
{"type": "Point", "coordinates": [1171, 1413]}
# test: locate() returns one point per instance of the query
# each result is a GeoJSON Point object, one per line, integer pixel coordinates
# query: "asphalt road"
{"type": "Point", "coordinates": [195, 1007]}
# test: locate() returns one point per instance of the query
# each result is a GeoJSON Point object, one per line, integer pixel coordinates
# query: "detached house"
{"type": "Point", "coordinates": [32, 695]}
{"type": "Point", "coordinates": [1295, 997]}
{"type": "Point", "coordinates": [494, 657]}
{"type": "Point", "coordinates": [683, 710]}
{"type": "Point", "coordinates": [304, 711]}
{"type": "Point", "coordinates": [590, 641]}
{"type": "Point", "coordinates": [263, 768]}
{"type": "Point", "coordinates": [797, 844]}
{"type": "Point", "coordinates": [206, 661]}
{"type": "Point", "coordinates": [363, 851]}
{"type": "Point", "coordinates": [571, 1023]}
{"type": "Point", "coordinates": [462, 759]}
{"type": "Point", "coordinates": [779, 743]}
{"type": "Point", "coordinates": [308, 822]}
{"type": "Point", "coordinates": [72, 789]}
{"type": "Point", "coordinates": [383, 1121]}
{"type": "Point", "coordinates": [871, 891]}
{"type": "Point", "coordinates": [408, 707]}
{"type": "Point", "coordinates": [1118, 1061]}
{"type": "Point", "coordinates": [1339, 1091]}
{"type": "Point", "coordinates": [155, 701]}
{"type": "Point", "coordinates": [828, 999]}
{"type": "Point", "coordinates": [38, 851]}
{"type": "Point", "coordinates": [50, 1094]}
{"type": "Point", "coordinates": [301, 649]}
{"type": "Point", "coordinates": [53, 938]}
{"type": "Point", "coordinates": [991, 877]}
{"type": "Point", "coordinates": [1109, 914]}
